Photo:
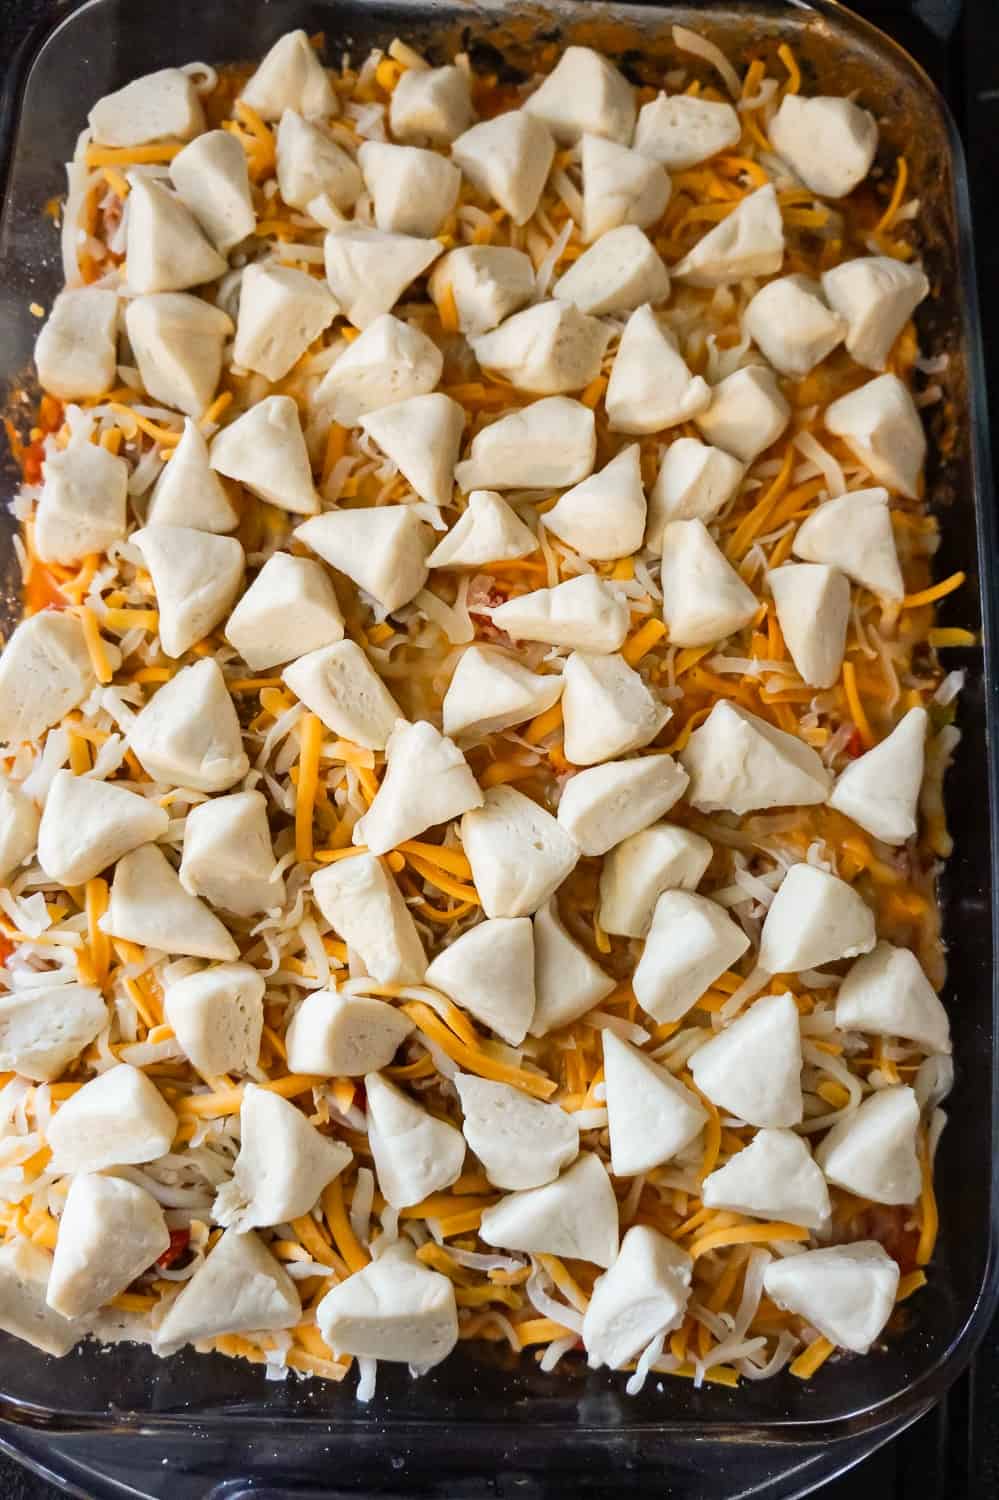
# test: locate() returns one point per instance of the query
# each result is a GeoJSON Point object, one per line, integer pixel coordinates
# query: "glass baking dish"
{"type": "Point", "coordinates": [119, 1421]}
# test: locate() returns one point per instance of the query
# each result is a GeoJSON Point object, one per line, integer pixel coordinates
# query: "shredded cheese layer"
{"type": "Point", "coordinates": [317, 784]}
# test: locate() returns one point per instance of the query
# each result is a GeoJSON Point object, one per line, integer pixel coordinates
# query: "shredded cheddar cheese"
{"type": "Point", "coordinates": [308, 782]}
{"type": "Point", "coordinates": [318, 783]}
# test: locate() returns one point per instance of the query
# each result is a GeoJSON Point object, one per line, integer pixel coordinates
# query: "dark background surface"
{"type": "Point", "coordinates": [952, 1454]}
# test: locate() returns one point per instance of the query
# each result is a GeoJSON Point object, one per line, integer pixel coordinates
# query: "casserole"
{"type": "Point", "coordinates": [94, 50]}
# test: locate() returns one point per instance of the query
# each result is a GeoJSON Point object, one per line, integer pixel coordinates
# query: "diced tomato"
{"type": "Point", "coordinates": [32, 458]}
{"type": "Point", "coordinates": [491, 597]}
{"type": "Point", "coordinates": [50, 413]}
{"type": "Point", "coordinates": [887, 1224]}
{"type": "Point", "coordinates": [483, 593]}
{"type": "Point", "coordinates": [854, 745]}
{"type": "Point", "coordinates": [179, 1241]}
{"type": "Point", "coordinates": [485, 630]}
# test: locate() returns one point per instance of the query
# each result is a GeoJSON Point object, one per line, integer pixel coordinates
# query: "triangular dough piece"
{"type": "Point", "coordinates": [110, 1231]}
{"type": "Point", "coordinates": [218, 1016]}
{"type": "Point", "coordinates": [605, 804]}
{"type": "Point", "coordinates": [828, 142]}
{"type": "Point", "coordinates": [368, 270]}
{"type": "Point", "coordinates": [415, 1153]}
{"type": "Point", "coordinates": [584, 92]}
{"type": "Point", "coordinates": [694, 482]}
{"type": "Point", "coordinates": [738, 763]}
{"type": "Point", "coordinates": [750, 242]}
{"type": "Point", "coordinates": [814, 919]}
{"type": "Point", "coordinates": [188, 734]}
{"type": "Point", "coordinates": [394, 1309]}
{"type": "Point", "coordinates": [792, 325]}
{"type": "Point", "coordinates": [847, 1292]}
{"type": "Point", "coordinates": [585, 613]}
{"type": "Point", "coordinates": [76, 351]}
{"type": "Point", "coordinates": [549, 442]}
{"type": "Point", "coordinates": [345, 1036]}
{"type": "Point", "coordinates": [490, 692]}
{"type": "Point", "coordinates": [412, 189]}
{"type": "Point", "coordinates": [872, 1152]}
{"type": "Point", "coordinates": [390, 361]}
{"type": "Point", "coordinates": [240, 1288]}
{"type": "Point", "coordinates": [24, 1312]}
{"type": "Point", "coordinates": [212, 177]}
{"type": "Point", "coordinates": [567, 981]}
{"type": "Point", "coordinates": [518, 853]}
{"type": "Point", "coordinates": [196, 577]}
{"type": "Point", "coordinates": [508, 159]}
{"type": "Point", "coordinates": [616, 275]}
{"type": "Point", "coordinates": [620, 186]}
{"type": "Point", "coordinates": [119, 1118]}
{"type": "Point", "coordinates": [228, 855]}
{"type": "Point", "coordinates": [704, 598]}
{"type": "Point", "coordinates": [574, 1216]}
{"type": "Point", "coordinates": [45, 670]}
{"type": "Point", "coordinates": [43, 1029]}
{"type": "Point", "coordinates": [880, 790]}
{"type": "Point", "coordinates": [880, 424]}
{"type": "Point", "coordinates": [650, 1114]}
{"type": "Point", "coordinates": [19, 820]}
{"type": "Point", "coordinates": [281, 312]}
{"type": "Point", "coordinates": [339, 684]}
{"type": "Point", "coordinates": [265, 450]}
{"type": "Point", "coordinates": [607, 709]}
{"type": "Point", "coordinates": [283, 1165]}
{"type": "Point", "coordinates": [423, 436]}
{"type": "Point", "coordinates": [604, 516]}
{"type": "Point", "coordinates": [650, 385]}
{"type": "Point", "coordinates": [88, 825]}
{"type": "Point", "coordinates": [547, 349]}
{"type": "Point", "coordinates": [159, 106]}
{"type": "Point", "coordinates": [382, 548]}
{"type": "Point", "coordinates": [854, 533]}
{"type": "Point", "coordinates": [289, 609]}
{"type": "Point", "coordinates": [774, 1177]}
{"type": "Point", "coordinates": [150, 906]}
{"type": "Point", "coordinates": [521, 1142]}
{"type": "Point", "coordinates": [752, 1069]}
{"type": "Point", "coordinates": [488, 530]}
{"type": "Point", "coordinates": [83, 506]}
{"type": "Point", "coordinates": [488, 283]}
{"type": "Point", "coordinates": [887, 993]}
{"type": "Point", "coordinates": [877, 296]}
{"type": "Point", "coordinates": [748, 412]}
{"type": "Point", "coordinates": [362, 903]}
{"type": "Point", "coordinates": [188, 491]}
{"type": "Point", "coordinates": [291, 76]}
{"type": "Point", "coordinates": [489, 971]}
{"type": "Point", "coordinates": [177, 342]}
{"type": "Point", "coordinates": [691, 942]}
{"type": "Point", "coordinates": [427, 781]}
{"type": "Point", "coordinates": [166, 250]}
{"type": "Point", "coordinates": [311, 165]}
{"type": "Point", "coordinates": [813, 611]}
{"type": "Point", "coordinates": [641, 867]}
{"type": "Point", "coordinates": [642, 1296]}
{"type": "Point", "coordinates": [682, 130]}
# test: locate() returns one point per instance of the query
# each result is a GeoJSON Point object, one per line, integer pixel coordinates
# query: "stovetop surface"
{"type": "Point", "coordinates": [953, 1453]}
